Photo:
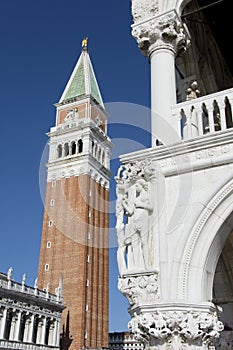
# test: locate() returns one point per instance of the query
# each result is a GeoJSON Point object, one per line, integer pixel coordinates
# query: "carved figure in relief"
{"type": "Point", "coordinates": [137, 209]}
{"type": "Point", "coordinates": [133, 211]}
{"type": "Point", "coordinates": [71, 114]}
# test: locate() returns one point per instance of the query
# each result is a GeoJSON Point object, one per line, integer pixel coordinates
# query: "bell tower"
{"type": "Point", "coordinates": [74, 244]}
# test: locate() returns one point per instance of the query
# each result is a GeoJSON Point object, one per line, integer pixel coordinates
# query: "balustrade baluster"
{"type": "Point", "coordinates": [221, 105]}
{"type": "Point", "coordinates": [210, 110]}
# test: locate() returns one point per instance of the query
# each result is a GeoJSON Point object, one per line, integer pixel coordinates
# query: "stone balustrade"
{"type": "Point", "coordinates": [6, 344]}
{"type": "Point", "coordinates": [204, 115]}
{"type": "Point", "coordinates": [18, 287]}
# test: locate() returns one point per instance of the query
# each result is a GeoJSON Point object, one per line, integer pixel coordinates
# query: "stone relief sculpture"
{"type": "Point", "coordinates": [143, 9]}
{"type": "Point", "coordinates": [71, 114]}
{"type": "Point", "coordinates": [134, 208]}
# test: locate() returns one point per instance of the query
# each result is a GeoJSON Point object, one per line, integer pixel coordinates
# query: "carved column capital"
{"type": "Point", "coordinates": [164, 31]}
{"type": "Point", "coordinates": [176, 327]}
{"type": "Point", "coordinates": [140, 288]}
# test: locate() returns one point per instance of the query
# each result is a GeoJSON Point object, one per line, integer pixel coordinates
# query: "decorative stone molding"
{"type": "Point", "coordinates": [144, 9]}
{"type": "Point", "coordinates": [139, 288]}
{"type": "Point", "coordinates": [164, 31]}
{"type": "Point", "coordinates": [7, 344]}
{"type": "Point", "coordinates": [198, 229]}
{"type": "Point", "coordinates": [86, 165]}
{"type": "Point", "coordinates": [174, 329]}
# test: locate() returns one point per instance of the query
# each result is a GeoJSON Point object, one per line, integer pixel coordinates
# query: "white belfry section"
{"type": "Point", "coordinates": [174, 208]}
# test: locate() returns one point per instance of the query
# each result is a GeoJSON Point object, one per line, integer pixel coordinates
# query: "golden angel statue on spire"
{"type": "Point", "coordinates": [84, 42]}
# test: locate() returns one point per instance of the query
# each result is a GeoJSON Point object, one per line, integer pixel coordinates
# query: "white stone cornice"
{"type": "Point", "coordinates": [86, 164]}
{"type": "Point", "coordinates": [164, 31]}
{"type": "Point", "coordinates": [191, 155]}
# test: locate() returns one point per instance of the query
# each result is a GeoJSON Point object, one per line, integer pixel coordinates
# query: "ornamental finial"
{"type": "Point", "coordinates": [84, 43]}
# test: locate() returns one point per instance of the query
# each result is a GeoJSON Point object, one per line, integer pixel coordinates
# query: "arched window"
{"type": "Point", "coordinates": [92, 147]}
{"type": "Point", "coordinates": [8, 324]}
{"type": "Point", "coordinates": [48, 324]}
{"type": "Point", "coordinates": [73, 148]}
{"type": "Point", "coordinates": [80, 146]}
{"type": "Point", "coordinates": [22, 326]}
{"type": "Point", "coordinates": [59, 151]}
{"type": "Point", "coordinates": [103, 158]}
{"type": "Point", "coordinates": [66, 149]}
{"type": "Point", "coordinates": [95, 150]}
{"type": "Point", "coordinates": [35, 329]}
{"type": "Point", "coordinates": [99, 155]}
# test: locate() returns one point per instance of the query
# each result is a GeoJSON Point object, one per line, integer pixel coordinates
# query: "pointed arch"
{"type": "Point", "coordinates": [205, 245]}
{"type": "Point", "coordinates": [80, 146]}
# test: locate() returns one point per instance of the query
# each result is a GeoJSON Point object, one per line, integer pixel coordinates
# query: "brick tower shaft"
{"type": "Point", "coordinates": [74, 244]}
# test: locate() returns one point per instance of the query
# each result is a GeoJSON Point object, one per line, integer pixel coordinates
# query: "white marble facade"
{"type": "Point", "coordinates": [29, 318]}
{"type": "Point", "coordinates": [175, 201]}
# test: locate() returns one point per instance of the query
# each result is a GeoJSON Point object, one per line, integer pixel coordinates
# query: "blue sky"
{"type": "Point", "coordinates": [40, 44]}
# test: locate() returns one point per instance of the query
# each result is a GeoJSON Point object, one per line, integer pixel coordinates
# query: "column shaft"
{"type": "Point", "coordinates": [163, 96]}
{"type": "Point", "coordinates": [3, 323]}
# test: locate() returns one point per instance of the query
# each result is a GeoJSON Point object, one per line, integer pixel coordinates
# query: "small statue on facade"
{"type": "Point", "coordinates": [193, 91]}
{"type": "Point", "coordinates": [24, 278]}
{"type": "Point", "coordinates": [9, 273]}
{"type": "Point", "coordinates": [58, 290]}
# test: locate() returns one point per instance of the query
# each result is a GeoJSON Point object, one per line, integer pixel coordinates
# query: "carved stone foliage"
{"type": "Point", "coordinates": [144, 9]}
{"type": "Point", "coordinates": [165, 31]}
{"type": "Point", "coordinates": [139, 288]}
{"type": "Point", "coordinates": [176, 329]}
{"type": "Point", "coordinates": [134, 212]}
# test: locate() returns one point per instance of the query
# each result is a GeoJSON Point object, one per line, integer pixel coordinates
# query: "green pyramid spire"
{"type": "Point", "coordinates": [82, 81]}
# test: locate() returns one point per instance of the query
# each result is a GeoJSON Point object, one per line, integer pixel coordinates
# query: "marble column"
{"type": "Point", "coordinates": [40, 339]}
{"type": "Point", "coordinates": [27, 329]}
{"type": "Point", "coordinates": [57, 333]}
{"type": "Point", "coordinates": [15, 325]}
{"type": "Point", "coordinates": [3, 315]}
{"type": "Point", "coordinates": [43, 331]}
{"type": "Point", "coordinates": [161, 38]}
{"type": "Point", "coordinates": [52, 340]}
